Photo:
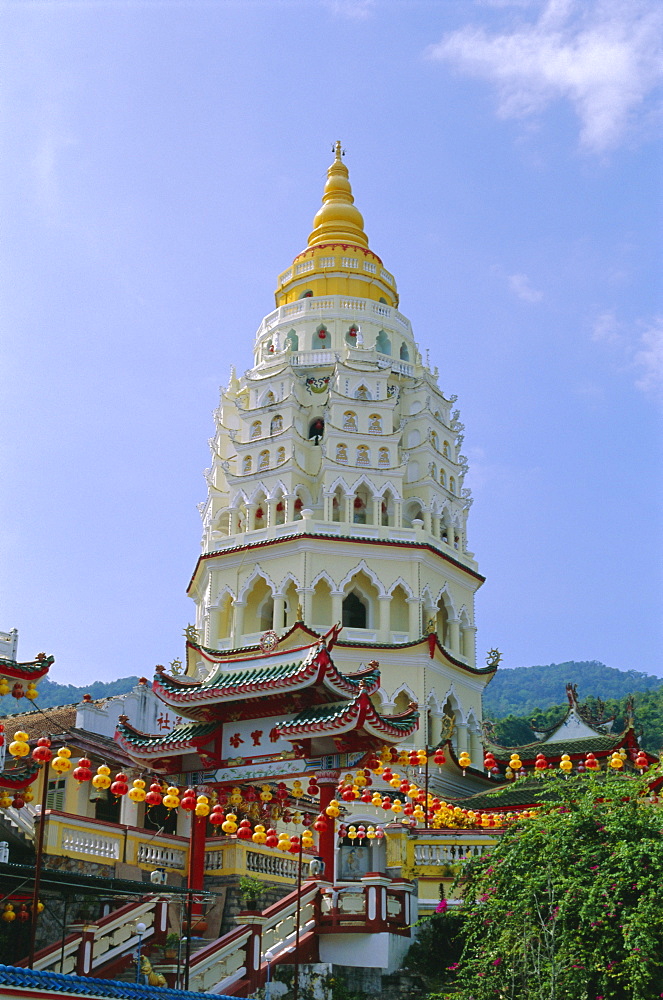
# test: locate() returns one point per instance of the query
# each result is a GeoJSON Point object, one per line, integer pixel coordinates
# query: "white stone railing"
{"type": "Point", "coordinates": [312, 359]}
{"type": "Point", "coordinates": [271, 864]}
{"type": "Point", "coordinates": [333, 305]}
{"type": "Point", "coordinates": [445, 854]}
{"type": "Point", "coordinates": [160, 856]}
{"type": "Point", "coordinates": [95, 845]}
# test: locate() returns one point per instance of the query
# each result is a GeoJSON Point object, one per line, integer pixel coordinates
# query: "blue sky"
{"type": "Point", "coordinates": [161, 162]}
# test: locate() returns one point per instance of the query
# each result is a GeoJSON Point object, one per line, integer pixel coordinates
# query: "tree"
{"type": "Point", "coordinates": [567, 905]}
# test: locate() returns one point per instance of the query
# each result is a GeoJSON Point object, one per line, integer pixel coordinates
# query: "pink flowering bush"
{"type": "Point", "coordinates": [568, 905]}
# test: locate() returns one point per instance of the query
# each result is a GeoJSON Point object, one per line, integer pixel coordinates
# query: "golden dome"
{"type": "Point", "coordinates": [338, 221]}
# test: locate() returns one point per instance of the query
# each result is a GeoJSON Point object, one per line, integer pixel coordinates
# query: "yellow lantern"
{"type": "Point", "coordinates": [565, 763]}
{"type": "Point", "coordinates": [376, 799]}
{"type": "Point", "coordinates": [4, 686]}
{"type": "Point", "coordinates": [418, 814]}
{"type": "Point", "coordinates": [616, 761]}
{"type": "Point", "coordinates": [307, 840]}
{"type": "Point", "coordinates": [352, 832]}
{"type": "Point", "coordinates": [333, 809]}
{"type": "Point", "coordinates": [61, 762]}
{"type": "Point", "coordinates": [171, 799]}
{"type": "Point", "coordinates": [19, 747]}
{"type": "Point", "coordinates": [423, 757]}
{"type": "Point", "coordinates": [360, 779]}
{"type": "Point", "coordinates": [397, 806]}
{"type": "Point", "coordinates": [229, 825]}
{"type": "Point", "coordinates": [5, 799]}
{"type": "Point", "coordinates": [378, 770]}
{"type": "Point", "coordinates": [31, 693]}
{"type": "Point", "coordinates": [395, 782]}
{"type": "Point", "coordinates": [284, 842]}
{"type": "Point", "coordinates": [101, 778]}
{"type": "Point", "coordinates": [259, 836]}
{"type": "Point", "coordinates": [370, 833]}
{"type": "Point", "coordinates": [40, 906]}
{"type": "Point", "coordinates": [296, 818]}
{"type": "Point", "coordinates": [464, 760]}
{"type": "Point", "coordinates": [8, 914]}
{"type": "Point", "coordinates": [265, 794]}
{"type": "Point", "coordinates": [202, 806]}
{"type": "Point", "coordinates": [297, 789]}
{"type": "Point", "coordinates": [27, 795]}
{"type": "Point", "coordinates": [137, 791]}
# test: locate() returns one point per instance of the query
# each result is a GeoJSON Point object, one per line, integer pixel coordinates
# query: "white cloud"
{"type": "Point", "coordinates": [606, 328]}
{"type": "Point", "coordinates": [603, 56]}
{"type": "Point", "coordinates": [649, 358]}
{"type": "Point", "coordinates": [638, 347]}
{"type": "Point", "coordinates": [520, 286]}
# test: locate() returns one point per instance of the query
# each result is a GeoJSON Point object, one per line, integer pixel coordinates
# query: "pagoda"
{"type": "Point", "coordinates": [335, 589]}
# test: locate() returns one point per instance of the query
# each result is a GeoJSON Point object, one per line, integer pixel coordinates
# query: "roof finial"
{"type": "Point", "coordinates": [339, 220]}
{"type": "Point", "coordinates": [338, 150]}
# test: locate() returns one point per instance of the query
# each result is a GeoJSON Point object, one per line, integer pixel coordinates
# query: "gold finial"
{"type": "Point", "coordinates": [338, 221]}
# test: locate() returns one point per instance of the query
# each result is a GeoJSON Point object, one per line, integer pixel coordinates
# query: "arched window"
{"type": "Point", "coordinates": [308, 294]}
{"type": "Point", "coordinates": [351, 336]}
{"type": "Point", "coordinates": [362, 506]}
{"type": "Point", "coordinates": [375, 424]}
{"type": "Point", "coordinates": [316, 429]}
{"type": "Point", "coordinates": [443, 478]}
{"type": "Point", "coordinates": [452, 484]}
{"type": "Point", "coordinates": [363, 455]}
{"type": "Point", "coordinates": [247, 464]}
{"type": "Point", "coordinates": [292, 341]}
{"type": "Point", "coordinates": [383, 456]}
{"type": "Point", "coordinates": [260, 516]}
{"type": "Point", "coordinates": [399, 613]}
{"type": "Point", "coordinates": [362, 392]}
{"type": "Point", "coordinates": [256, 429]}
{"type": "Point", "coordinates": [280, 456]}
{"type": "Point", "coordinates": [349, 421]}
{"type": "Point", "coordinates": [387, 508]}
{"type": "Point", "coordinates": [382, 343]}
{"type": "Point", "coordinates": [354, 611]}
{"type": "Point", "coordinates": [411, 512]}
{"type": "Point", "coordinates": [269, 399]}
{"type": "Point", "coordinates": [280, 510]}
{"type": "Point", "coordinates": [276, 424]}
{"type": "Point", "coordinates": [321, 339]}
{"type": "Point", "coordinates": [404, 353]}
{"type": "Point", "coordinates": [445, 449]}
{"type": "Point", "coordinates": [434, 440]}
{"type": "Point", "coordinates": [432, 469]}
{"type": "Point", "coordinates": [263, 460]}
{"type": "Point", "coordinates": [341, 453]}
{"type": "Point", "coordinates": [299, 504]}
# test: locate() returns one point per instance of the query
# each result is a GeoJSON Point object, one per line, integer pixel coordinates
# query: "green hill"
{"type": "Point", "coordinates": [522, 691]}
{"type": "Point", "coordinates": [52, 694]}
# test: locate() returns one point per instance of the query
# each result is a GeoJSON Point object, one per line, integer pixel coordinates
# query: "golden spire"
{"type": "Point", "coordinates": [338, 221]}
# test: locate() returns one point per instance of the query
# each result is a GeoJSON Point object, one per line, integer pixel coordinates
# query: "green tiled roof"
{"type": "Point", "coordinates": [595, 744]}
{"type": "Point", "coordinates": [328, 713]}
{"type": "Point", "coordinates": [181, 734]}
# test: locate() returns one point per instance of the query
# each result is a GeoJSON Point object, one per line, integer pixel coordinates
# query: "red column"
{"type": "Point", "coordinates": [197, 858]}
{"type": "Point", "coordinates": [328, 780]}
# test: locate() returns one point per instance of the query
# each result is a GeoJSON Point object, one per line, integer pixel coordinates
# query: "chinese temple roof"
{"type": "Point", "coordinates": [347, 726]}
{"type": "Point", "coordinates": [189, 736]}
{"type": "Point", "coordinates": [249, 681]}
{"type": "Point", "coordinates": [18, 778]}
{"type": "Point", "coordinates": [31, 670]}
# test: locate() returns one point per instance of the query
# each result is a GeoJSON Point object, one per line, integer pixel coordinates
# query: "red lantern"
{"type": "Point", "coordinates": [17, 690]}
{"type": "Point", "coordinates": [280, 506]}
{"type": "Point", "coordinates": [271, 838]}
{"type": "Point", "coordinates": [2, 735]}
{"type": "Point", "coordinates": [244, 831]}
{"type": "Point", "coordinates": [188, 800]}
{"type": "Point", "coordinates": [408, 809]}
{"type": "Point", "coordinates": [348, 795]}
{"type": "Point", "coordinates": [386, 803]}
{"type": "Point", "coordinates": [405, 787]}
{"type": "Point", "coordinates": [154, 796]}
{"type": "Point", "coordinates": [23, 914]}
{"type": "Point", "coordinates": [217, 815]}
{"type": "Point", "coordinates": [322, 334]}
{"type": "Point", "coordinates": [367, 796]}
{"type": "Point", "coordinates": [120, 785]}
{"type": "Point", "coordinates": [439, 758]}
{"type": "Point", "coordinates": [358, 503]}
{"type": "Point", "coordinates": [18, 801]}
{"type": "Point", "coordinates": [83, 772]}
{"type": "Point", "coordinates": [298, 503]}
{"type": "Point", "coordinates": [250, 795]}
{"type": "Point", "coordinates": [320, 823]}
{"type": "Point", "coordinates": [259, 513]}
{"type": "Point", "coordinates": [540, 764]}
{"type": "Point", "coordinates": [294, 845]}
{"type": "Point", "coordinates": [41, 752]}
{"type": "Point", "coordinates": [414, 758]}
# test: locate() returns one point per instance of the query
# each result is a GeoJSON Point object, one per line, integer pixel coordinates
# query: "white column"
{"type": "Point", "coordinates": [414, 605]}
{"type": "Point", "coordinates": [337, 606]}
{"type": "Point", "coordinates": [348, 505]}
{"type": "Point", "coordinates": [250, 516]}
{"type": "Point", "coordinates": [277, 616]}
{"type": "Point", "coordinates": [377, 508]}
{"type": "Point", "coordinates": [398, 513]}
{"type": "Point", "coordinates": [453, 626]}
{"type": "Point", "coordinates": [427, 522]}
{"type": "Point", "coordinates": [234, 521]}
{"type": "Point", "coordinates": [384, 604]}
{"type": "Point", "coordinates": [289, 500]}
{"type": "Point", "coordinates": [238, 622]}
{"type": "Point", "coordinates": [470, 643]}
{"type": "Point", "coordinates": [271, 512]}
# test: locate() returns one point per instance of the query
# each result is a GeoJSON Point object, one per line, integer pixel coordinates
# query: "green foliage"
{"type": "Point", "coordinates": [524, 690]}
{"type": "Point", "coordinates": [251, 889]}
{"type": "Point", "coordinates": [647, 706]}
{"type": "Point", "coordinates": [567, 904]}
{"type": "Point", "coordinates": [437, 935]}
{"type": "Point", "coordinates": [52, 694]}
